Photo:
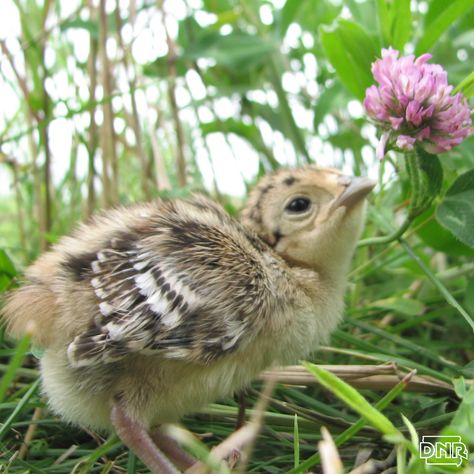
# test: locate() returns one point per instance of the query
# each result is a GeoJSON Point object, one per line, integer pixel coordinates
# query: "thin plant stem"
{"type": "Point", "coordinates": [109, 152]}
{"type": "Point", "coordinates": [135, 121]}
{"type": "Point", "coordinates": [418, 204]}
{"type": "Point", "coordinates": [438, 284]}
{"type": "Point", "coordinates": [172, 55]}
{"type": "Point", "coordinates": [19, 205]}
{"type": "Point", "coordinates": [93, 133]}
{"type": "Point", "coordinates": [386, 239]}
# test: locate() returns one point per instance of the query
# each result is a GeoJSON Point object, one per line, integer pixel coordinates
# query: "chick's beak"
{"type": "Point", "coordinates": [355, 191]}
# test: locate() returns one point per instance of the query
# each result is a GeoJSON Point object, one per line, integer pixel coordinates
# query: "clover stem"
{"type": "Point", "coordinates": [412, 169]}
{"type": "Point", "coordinates": [387, 238]}
{"type": "Point", "coordinates": [417, 204]}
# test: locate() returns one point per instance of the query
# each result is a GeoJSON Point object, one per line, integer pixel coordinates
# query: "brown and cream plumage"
{"type": "Point", "coordinates": [149, 312]}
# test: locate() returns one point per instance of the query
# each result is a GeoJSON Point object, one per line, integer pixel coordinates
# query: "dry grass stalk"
{"type": "Point", "coordinates": [93, 132]}
{"type": "Point", "coordinates": [135, 121]}
{"type": "Point", "coordinates": [162, 179]}
{"type": "Point", "coordinates": [257, 421]}
{"type": "Point", "coordinates": [44, 127]}
{"type": "Point", "coordinates": [30, 433]}
{"type": "Point", "coordinates": [109, 151]}
{"type": "Point", "coordinates": [239, 445]}
{"type": "Point", "coordinates": [66, 454]}
{"type": "Point", "coordinates": [180, 157]}
{"type": "Point", "coordinates": [330, 459]}
{"type": "Point", "coordinates": [374, 377]}
{"type": "Point", "coordinates": [373, 466]}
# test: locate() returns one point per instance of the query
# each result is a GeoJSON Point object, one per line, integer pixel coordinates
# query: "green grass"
{"type": "Point", "coordinates": [435, 346]}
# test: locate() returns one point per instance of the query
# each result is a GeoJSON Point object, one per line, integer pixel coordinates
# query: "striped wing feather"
{"type": "Point", "coordinates": [185, 290]}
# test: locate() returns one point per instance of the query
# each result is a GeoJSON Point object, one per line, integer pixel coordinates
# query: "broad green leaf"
{"type": "Point", "coordinates": [456, 211]}
{"type": "Point", "coordinates": [361, 47]}
{"type": "Point", "coordinates": [248, 132]}
{"type": "Point", "coordinates": [353, 399]}
{"type": "Point", "coordinates": [351, 51]}
{"type": "Point", "coordinates": [461, 425]}
{"type": "Point", "coordinates": [309, 14]}
{"type": "Point", "coordinates": [236, 51]}
{"type": "Point", "coordinates": [384, 21]}
{"type": "Point", "coordinates": [5, 282]}
{"type": "Point", "coordinates": [395, 22]}
{"type": "Point", "coordinates": [440, 16]}
{"type": "Point", "coordinates": [190, 32]}
{"type": "Point", "coordinates": [217, 6]}
{"type": "Point", "coordinates": [401, 24]}
{"type": "Point", "coordinates": [433, 234]}
{"type": "Point", "coordinates": [6, 265]}
{"type": "Point", "coordinates": [468, 370]}
{"type": "Point", "coordinates": [463, 183]}
{"type": "Point", "coordinates": [460, 387]}
{"type": "Point", "coordinates": [225, 18]}
{"type": "Point", "coordinates": [92, 26]}
{"type": "Point", "coordinates": [287, 14]}
{"type": "Point", "coordinates": [426, 178]}
{"type": "Point", "coordinates": [469, 296]}
{"type": "Point", "coordinates": [363, 14]}
{"type": "Point", "coordinates": [466, 86]}
{"type": "Point", "coordinates": [229, 81]}
{"type": "Point", "coordinates": [432, 172]}
{"type": "Point", "coordinates": [239, 53]}
{"type": "Point", "coordinates": [161, 67]}
{"type": "Point", "coordinates": [326, 102]}
{"type": "Point", "coordinates": [347, 139]}
{"type": "Point", "coordinates": [272, 116]}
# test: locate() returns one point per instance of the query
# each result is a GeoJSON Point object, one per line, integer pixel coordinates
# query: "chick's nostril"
{"type": "Point", "coordinates": [344, 180]}
{"type": "Point", "coordinates": [356, 191]}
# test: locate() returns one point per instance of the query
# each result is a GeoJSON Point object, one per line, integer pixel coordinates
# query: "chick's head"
{"type": "Point", "coordinates": [311, 216]}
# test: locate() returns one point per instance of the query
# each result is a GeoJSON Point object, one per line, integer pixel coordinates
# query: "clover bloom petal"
{"type": "Point", "coordinates": [413, 104]}
{"type": "Point", "coordinates": [405, 142]}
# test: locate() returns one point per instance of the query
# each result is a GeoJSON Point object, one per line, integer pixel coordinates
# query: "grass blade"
{"type": "Point", "coordinates": [5, 427]}
{"type": "Point", "coordinates": [14, 365]}
{"type": "Point", "coordinates": [353, 399]}
{"type": "Point", "coordinates": [296, 441]}
{"type": "Point", "coordinates": [438, 284]}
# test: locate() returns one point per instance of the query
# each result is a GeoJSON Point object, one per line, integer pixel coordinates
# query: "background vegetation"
{"type": "Point", "coordinates": [107, 102]}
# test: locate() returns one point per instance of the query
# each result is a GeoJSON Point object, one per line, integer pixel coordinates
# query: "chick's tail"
{"type": "Point", "coordinates": [31, 309]}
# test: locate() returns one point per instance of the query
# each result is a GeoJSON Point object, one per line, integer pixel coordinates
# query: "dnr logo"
{"type": "Point", "coordinates": [443, 450]}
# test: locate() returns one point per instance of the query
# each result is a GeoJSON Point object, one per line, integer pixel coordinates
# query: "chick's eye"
{"type": "Point", "coordinates": [298, 205]}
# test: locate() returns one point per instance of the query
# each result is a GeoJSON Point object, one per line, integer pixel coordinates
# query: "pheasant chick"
{"type": "Point", "coordinates": [151, 311]}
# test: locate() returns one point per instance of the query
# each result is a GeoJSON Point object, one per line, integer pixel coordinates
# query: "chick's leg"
{"type": "Point", "coordinates": [136, 437]}
{"type": "Point", "coordinates": [169, 446]}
